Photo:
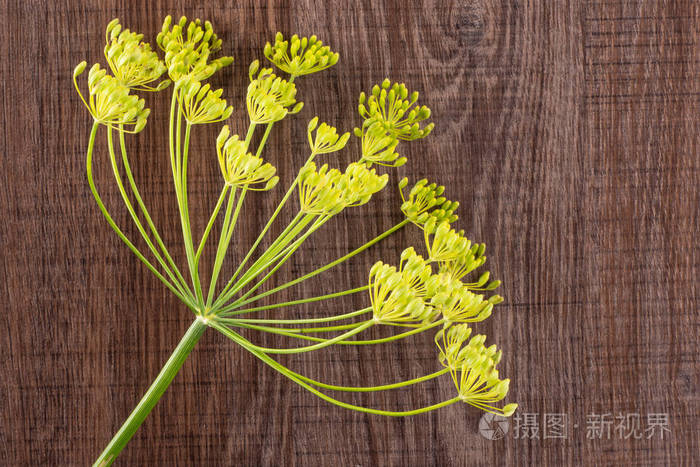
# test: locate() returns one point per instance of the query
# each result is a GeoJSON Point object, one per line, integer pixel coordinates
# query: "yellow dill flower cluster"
{"type": "Point", "coordinates": [300, 56]}
{"type": "Point", "coordinates": [472, 366]}
{"type": "Point", "coordinates": [422, 292]}
{"type": "Point", "coordinates": [241, 168]}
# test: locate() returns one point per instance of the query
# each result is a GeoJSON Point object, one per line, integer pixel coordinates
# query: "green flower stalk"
{"type": "Point", "coordinates": [423, 292]}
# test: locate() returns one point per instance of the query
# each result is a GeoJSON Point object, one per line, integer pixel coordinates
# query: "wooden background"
{"type": "Point", "coordinates": [567, 130]}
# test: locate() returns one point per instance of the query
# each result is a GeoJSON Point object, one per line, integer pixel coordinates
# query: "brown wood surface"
{"type": "Point", "coordinates": [567, 130]}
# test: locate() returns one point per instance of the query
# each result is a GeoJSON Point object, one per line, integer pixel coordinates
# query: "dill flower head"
{"type": "Point", "coordinates": [391, 106]}
{"type": "Point", "coordinates": [199, 103]}
{"type": "Point", "coordinates": [443, 242]}
{"type": "Point", "coordinates": [300, 56]}
{"type": "Point", "coordinates": [318, 190]}
{"type": "Point", "coordinates": [109, 101]}
{"type": "Point", "coordinates": [393, 298]}
{"type": "Point", "coordinates": [270, 98]}
{"type": "Point", "coordinates": [415, 270]}
{"type": "Point", "coordinates": [326, 138]}
{"type": "Point", "coordinates": [241, 168]}
{"type": "Point", "coordinates": [187, 47]}
{"type": "Point", "coordinates": [473, 369]}
{"type": "Point", "coordinates": [132, 61]}
{"type": "Point", "coordinates": [378, 147]}
{"type": "Point", "coordinates": [457, 303]}
{"type": "Point", "coordinates": [465, 263]}
{"type": "Point", "coordinates": [449, 341]}
{"type": "Point", "coordinates": [425, 202]}
{"type": "Point", "coordinates": [359, 183]}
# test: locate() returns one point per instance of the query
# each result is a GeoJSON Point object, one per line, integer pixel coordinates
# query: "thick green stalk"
{"type": "Point", "coordinates": [153, 394]}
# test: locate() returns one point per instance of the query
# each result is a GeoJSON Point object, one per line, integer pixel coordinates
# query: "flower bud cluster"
{"type": "Point", "coordinates": [110, 102]}
{"type": "Point", "coordinates": [326, 138]}
{"type": "Point", "coordinates": [270, 98]}
{"type": "Point", "coordinates": [199, 103]}
{"type": "Point", "coordinates": [187, 47]}
{"type": "Point", "coordinates": [440, 294]}
{"type": "Point", "coordinates": [132, 61]}
{"type": "Point", "coordinates": [328, 191]}
{"type": "Point", "coordinates": [241, 168]}
{"type": "Point", "coordinates": [300, 56]}
{"type": "Point", "coordinates": [392, 107]}
{"type": "Point", "coordinates": [473, 368]}
{"type": "Point", "coordinates": [425, 202]}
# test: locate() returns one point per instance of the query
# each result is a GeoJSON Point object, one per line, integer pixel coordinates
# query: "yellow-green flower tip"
{"type": "Point", "coordinates": [187, 48]}
{"type": "Point", "coordinates": [509, 409]}
{"type": "Point", "coordinates": [379, 146]}
{"type": "Point", "coordinates": [78, 70]}
{"type": "Point", "coordinates": [300, 56]}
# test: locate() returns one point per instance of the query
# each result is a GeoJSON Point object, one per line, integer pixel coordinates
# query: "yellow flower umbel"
{"type": "Point", "coordinates": [425, 202]}
{"type": "Point", "coordinates": [458, 304]}
{"type": "Point", "coordinates": [199, 103]}
{"type": "Point", "coordinates": [241, 168]}
{"type": "Point", "coordinates": [391, 106]}
{"type": "Point", "coordinates": [318, 190]}
{"type": "Point", "coordinates": [326, 138]}
{"type": "Point", "coordinates": [393, 299]}
{"type": "Point", "coordinates": [378, 147]}
{"type": "Point", "coordinates": [303, 56]}
{"type": "Point", "coordinates": [187, 47]}
{"type": "Point", "coordinates": [132, 61]}
{"type": "Point", "coordinates": [270, 98]}
{"type": "Point", "coordinates": [442, 242]}
{"type": "Point", "coordinates": [109, 101]}
{"type": "Point", "coordinates": [473, 369]}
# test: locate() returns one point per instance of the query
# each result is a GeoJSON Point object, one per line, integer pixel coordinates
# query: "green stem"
{"type": "Point", "coordinates": [273, 363]}
{"type": "Point", "coordinates": [210, 224]}
{"type": "Point", "coordinates": [294, 333]}
{"type": "Point", "coordinates": [185, 212]}
{"type": "Point", "coordinates": [153, 394]}
{"type": "Point", "coordinates": [120, 234]}
{"type": "Point", "coordinates": [288, 331]}
{"type": "Point", "coordinates": [384, 387]}
{"type": "Point", "coordinates": [222, 240]}
{"type": "Point", "coordinates": [328, 266]}
{"type": "Point", "coordinates": [134, 216]}
{"type": "Point", "coordinates": [262, 233]}
{"type": "Point", "coordinates": [142, 205]}
{"type": "Point", "coordinates": [309, 348]}
{"type": "Point", "coordinates": [228, 311]}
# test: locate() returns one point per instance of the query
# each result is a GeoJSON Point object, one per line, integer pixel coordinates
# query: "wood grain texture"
{"type": "Point", "coordinates": [567, 130]}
